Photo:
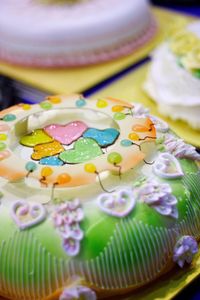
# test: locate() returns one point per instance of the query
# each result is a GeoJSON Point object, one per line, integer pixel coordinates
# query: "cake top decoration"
{"type": "Point", "coordinates": [77, 137]}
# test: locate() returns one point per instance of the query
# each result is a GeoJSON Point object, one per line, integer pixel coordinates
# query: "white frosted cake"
{"type": "Point", "coordinates": [71, 33]}
{"type": "Point", "coordinates": [174, 76]}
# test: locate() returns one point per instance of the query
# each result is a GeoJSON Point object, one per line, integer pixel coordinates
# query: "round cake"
{"type": "Point", "coordinates": [72, 33]}
{"type": "Point", "coordinates": [174, 76]}
{"type": "Point", "coordinates": [98, 198]}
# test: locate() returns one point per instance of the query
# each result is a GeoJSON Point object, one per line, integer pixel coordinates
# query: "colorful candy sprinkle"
{"type": "Point", "coordinates": [46, 105]}
{"type": "Point", "coordinates": [117, 108]}
{"type": "Point", "coordinates": [119, 116]}
{"type": "Point", "coordinates": [134, 137]}
{"type": "Point", "coordinates": [2, 146]}
{"type": "Point", "coordinates": [9, 118]}
{"type": "Point", "coordinates": [126, 143]}
{"type": "Point", "coordinates": [3, 137]}
{"type": "Point", "coordinates": [80, 103]}
{"type": "Point", "coordinates": [102, 103]}
{"type": "Point", "coordinates": [114, 158]}
{"type": "Point", "coordinates": [31, 166]}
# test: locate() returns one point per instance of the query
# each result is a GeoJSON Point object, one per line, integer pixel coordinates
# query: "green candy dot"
{"type": "Point", "coordinates": [2, 146]}
{"type": "Point", "coordinates": [31, 166]}
{"type": "Point", "coordinates": [9, 118]}
{"type": "Point", "coordinates": [46, 105]}
{"type": "Point", "coordinates": [114, 158]}
{"type": "Point", "coordinates": [119, 116]}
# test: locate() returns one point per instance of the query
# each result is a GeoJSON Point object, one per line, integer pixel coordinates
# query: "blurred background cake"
{"type": "Point", "coordinates": [174, 76]}
{"type": "Point", "coordinates": [72, 33]}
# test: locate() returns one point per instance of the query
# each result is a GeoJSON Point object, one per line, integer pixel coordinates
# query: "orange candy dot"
{"type": "Point", "coordinates": [140, 128]}
{"type": "Point", "coordinates": [46, 171]}
{"type": "Point", "coordinates": [117, 108]}
{"type": "Point", "coordinates": [133, 136]}
{"type": "Point", "coordinates": [63, 178]}
{"type": "Point", "coordinates": [54, 99]}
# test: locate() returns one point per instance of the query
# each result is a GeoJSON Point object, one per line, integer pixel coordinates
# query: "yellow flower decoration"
{"type": "Point", "coordinates": [183, 42]}
{"type": "Point", "coordinates": [192, 60]}
{"type": "Point", "coordinates": [176, 25]}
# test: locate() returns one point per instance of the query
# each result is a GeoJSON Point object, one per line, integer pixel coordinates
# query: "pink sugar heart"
{"type": "Point", "coordinates": [66, 134]}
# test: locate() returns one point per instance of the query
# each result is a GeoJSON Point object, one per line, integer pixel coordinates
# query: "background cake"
{"type": "Point", "coordinates": [174, 76]}
{"type": "Point", "coordinates": [71, 33]}
{"type": "Point", "coordinates": [98, 197]}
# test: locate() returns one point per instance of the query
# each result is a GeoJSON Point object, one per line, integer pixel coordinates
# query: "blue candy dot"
{"type": "Point", "coordinates": [9, 118]}
{"type": "Point", "coordinates": [126, 143]}
{"type": "Point", "coordinates": [80, 103]}
{"type": "Point", "coordinates": [31, 166]}
{"type": "Point", "coordinates": [51, 161]}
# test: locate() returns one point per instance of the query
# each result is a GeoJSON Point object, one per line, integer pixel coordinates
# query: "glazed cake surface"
{"type": "Point", "coordinates": [81, 33]}
{"type": "Point", "coordinates": [98, 198]}
{"type": "Point", "coordinates": [174, 76]}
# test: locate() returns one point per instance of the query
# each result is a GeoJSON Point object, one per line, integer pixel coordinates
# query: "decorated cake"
{"type": "Point", "coordinates": [50, 33]}
{"type": "Point", "coordinates": [98, 198]}
{"type": "Point", "coordinates": [174, 76]}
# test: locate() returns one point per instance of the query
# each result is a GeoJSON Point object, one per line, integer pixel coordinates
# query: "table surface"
{"type": "Point", "coordinates": [193, 291]}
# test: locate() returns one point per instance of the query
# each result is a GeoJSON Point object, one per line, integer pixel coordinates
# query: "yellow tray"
{"type": "Point", "coordinates": [169, 285]}
{"type": "Point", "coordinates": [79, 79]}
{"type": "Point", "coordinates": [130, 88]}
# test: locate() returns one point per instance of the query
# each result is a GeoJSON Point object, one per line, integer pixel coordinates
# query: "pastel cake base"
{"type": "Point", "coordinates": [115, 220]}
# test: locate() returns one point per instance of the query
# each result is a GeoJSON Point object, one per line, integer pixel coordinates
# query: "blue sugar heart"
{"type": "Point", "coordinates": [103, 137]}
{"type": "Point", "coordinates": [51, 161]}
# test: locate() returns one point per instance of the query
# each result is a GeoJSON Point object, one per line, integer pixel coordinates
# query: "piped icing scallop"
{"type": "Point", "coordinates": [173, 79]}
{"type": "Point", "coordinates": [92, 203]}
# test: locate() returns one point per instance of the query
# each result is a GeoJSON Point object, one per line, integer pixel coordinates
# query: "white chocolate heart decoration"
{"type": "Point", "coordinates": [118, 204]}
{"type": "Point", "coordinates": [27, 214]}
{"type": "Point", "coordinates": [167, 166]}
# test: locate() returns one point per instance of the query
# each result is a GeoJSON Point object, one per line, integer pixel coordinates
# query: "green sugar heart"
{"type": "Point", "coordinates": [85, 149]}
{"type": "Point", "coordinates": [36, 137]}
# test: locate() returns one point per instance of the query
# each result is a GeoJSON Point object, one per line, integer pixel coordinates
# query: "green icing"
{"type": "Point", "coordinates": [85, 149]}
{"type": "Point", "coordinates": [133, 241]}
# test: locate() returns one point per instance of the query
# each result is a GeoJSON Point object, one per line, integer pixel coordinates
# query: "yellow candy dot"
{"type": "Point", "coordinates": [117, 108]}
{"type": "Point", "coordinates": [26, 106]}
{"type": "Point", "coordinates": [90, 168]}
{"type": "Point", "coordinates": [102, 103]}
{"type": "Point", "coordinates": [133, 136]}
{"type": "Point", "coordinates": [63, 178]}
{"type": "Point", "coordinates": [54, 99]}
{"type": "Point", "coordinates": [3, 137]}
{"type": "Point", "coordinates": [46, 171]}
